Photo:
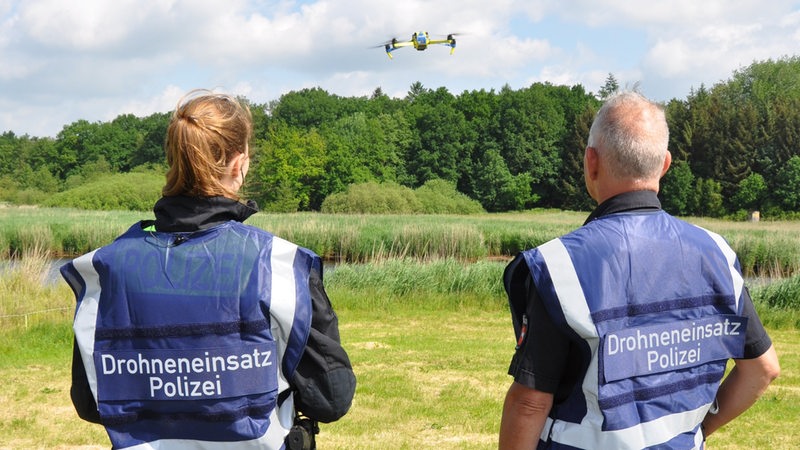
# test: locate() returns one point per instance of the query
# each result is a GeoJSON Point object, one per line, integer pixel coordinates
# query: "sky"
{"type": "Point", "coordinates": [63, 61]}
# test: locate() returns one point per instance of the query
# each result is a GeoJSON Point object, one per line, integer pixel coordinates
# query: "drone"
{"type": "Point", "coordinates": [420, 41]}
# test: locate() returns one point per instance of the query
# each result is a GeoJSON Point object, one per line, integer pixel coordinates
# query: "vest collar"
{"type": "Point", "coordinates": [626, 202]}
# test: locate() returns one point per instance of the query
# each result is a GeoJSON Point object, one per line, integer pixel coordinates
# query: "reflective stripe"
{"type": "Point", "coordinates": [588, 435]}
{"type": "Point", "coordinates": [283, 298]}
{"type": "Point", "coordinates": [86, 316]}
{"type": "Point", "coordinates": [730, 256]}
{"type": "Point", "coordinates": [568, 288]}
{"type": "Point", "coordinates": [576, 311]}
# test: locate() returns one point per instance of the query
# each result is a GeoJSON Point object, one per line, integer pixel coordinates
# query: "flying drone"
{"type": "Point", "coordinates": [420, 41]}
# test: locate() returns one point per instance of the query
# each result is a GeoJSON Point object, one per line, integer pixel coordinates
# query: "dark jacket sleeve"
{"type": "Point", "coordinates": [324, 381]}
{"type": "Point", "coordinates": [81, 394]}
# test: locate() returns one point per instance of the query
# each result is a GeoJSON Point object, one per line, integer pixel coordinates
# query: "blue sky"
{"type": "Point", "coordinates": [96, 59]}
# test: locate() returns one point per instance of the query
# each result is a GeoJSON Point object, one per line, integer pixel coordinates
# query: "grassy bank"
{"type": "Point", "coordinates": [765, 249]}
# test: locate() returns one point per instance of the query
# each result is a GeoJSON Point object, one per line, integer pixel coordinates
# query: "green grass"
{"type": "Point", "coordinates": [427, 378]}
{"type": "Point", "coordinates": [430, 344]}
{"type": "Point", "coordinates": [425, 323]}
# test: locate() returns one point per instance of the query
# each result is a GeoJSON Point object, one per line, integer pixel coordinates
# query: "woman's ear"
{"type": "Point", "coordinates": [235, 165]}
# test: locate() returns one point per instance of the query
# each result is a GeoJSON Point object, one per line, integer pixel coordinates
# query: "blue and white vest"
{"type": "Point", "coordinates": [654, 305]}
{"type": "Point", "coordinates": [188, 341]}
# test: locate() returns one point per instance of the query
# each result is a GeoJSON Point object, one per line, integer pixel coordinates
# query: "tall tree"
{"type": "Point", "coordinates": [609, 87]}
{"type": "Point", "coordinates": [286, 169]}
{"type": "Point", "coordinates": [438, 149]}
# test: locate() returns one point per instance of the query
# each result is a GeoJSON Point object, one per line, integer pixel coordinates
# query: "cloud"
{"type": "Point", "coordinates": [64, 61]}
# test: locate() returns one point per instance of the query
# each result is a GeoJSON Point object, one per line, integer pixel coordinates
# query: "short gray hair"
{"type": "Point", "coordinates": [630, 132]}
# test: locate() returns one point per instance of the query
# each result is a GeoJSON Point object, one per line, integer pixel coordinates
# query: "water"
{"type": "Point", "coordinates": [52, 276]}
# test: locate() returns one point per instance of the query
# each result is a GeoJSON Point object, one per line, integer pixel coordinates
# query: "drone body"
{"type": "Point", "coordinates": [420, 41]}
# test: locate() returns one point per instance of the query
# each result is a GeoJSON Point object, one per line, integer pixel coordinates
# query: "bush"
{"type": "Point", "coordinates": [373, 198]}
{"type": "Point", "coordinates": [441, 197]}
{"type": "Point", "coordinates": [434, 197]}
{"type": "Point", "coordinates": [124, 191]}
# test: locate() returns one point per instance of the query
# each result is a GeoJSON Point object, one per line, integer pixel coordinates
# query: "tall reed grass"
{"type": "Point", "coordinates": [26, 299]}
{"type": "Point", "coordinates": [413, 284]}
{"type": "Point", "coordinates": [765, 249]}
{"type": "Point", "coordinates": [59, 231]}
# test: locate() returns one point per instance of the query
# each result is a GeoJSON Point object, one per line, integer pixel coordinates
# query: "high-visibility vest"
{"type": "Point", "coordinates": [190, 340]}
{"type": "Point", "coordinates": [654, 306]}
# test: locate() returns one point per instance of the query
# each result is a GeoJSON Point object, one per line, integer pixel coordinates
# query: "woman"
{"type": "Point", "coordinates": [195, 330]}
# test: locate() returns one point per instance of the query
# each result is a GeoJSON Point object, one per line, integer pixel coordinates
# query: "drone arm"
{"type": "Point", "coordinates": [448, 42]}
{"type": "Point", "coordinates": [402, 44]}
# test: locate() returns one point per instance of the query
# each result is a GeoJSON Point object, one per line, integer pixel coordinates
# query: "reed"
{"type": "Point", "coordinates": [26, 299]}
{"type": "Point", "coordinates": [765, 249]}
{"type": "Point", "coordinates": [444, 283]}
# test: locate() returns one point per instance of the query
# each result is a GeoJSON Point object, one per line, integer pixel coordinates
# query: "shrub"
{"type": "Point", "coordinates": [125, 191]}
{"type": "Point", "coordinates": [373, 198]}
{"type": "Point", "coordinates": [434, 197]}
{"type": "Point", "coordinates": [441, 197]}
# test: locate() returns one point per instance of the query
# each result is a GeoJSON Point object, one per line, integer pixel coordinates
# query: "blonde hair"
{"type": "Point", "coordinates": [205, 132]}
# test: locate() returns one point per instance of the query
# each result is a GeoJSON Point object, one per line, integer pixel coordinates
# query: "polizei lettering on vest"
{"type": "Point", "coordinates": [673, 358]}
{"type": "Point", "coordinates": [176, 374]}
{"type": "Point", "coordinates": [674, 345]}
{"type": "Point", "coordinates": [183, 387]}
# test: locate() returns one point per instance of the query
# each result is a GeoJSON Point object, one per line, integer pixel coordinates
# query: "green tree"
{"type": "Point", "coordinates": [152, 132]}
{"type": "Point", "coordinates": [438, 149]}
{"type": "Point", "coordinates": [751, 193]}
{"type": "Point", "coordinates": [286, 168]}
{"type": "Point", "coordinates": [787, 185]}
{"type": "Point", "coordinates": [480, 112]}
{"type": "Point", "coordinates": [311, 108]}
{"type": "Point", "coordinates": [532, 129]}
{"type": "Point", "coordinates": [677, 191]}
{"type": "Point", "coordinates": [709, 198]}
{"type": "Point", "coordinates": [609, 87]}
{"type": "Point", "coordinates": [497, 188]}
{"type": "Point", "coordinates": [572, 192]}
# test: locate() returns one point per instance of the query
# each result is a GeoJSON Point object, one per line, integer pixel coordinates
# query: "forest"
{"type": "Point", "coordinates": [735, 147]}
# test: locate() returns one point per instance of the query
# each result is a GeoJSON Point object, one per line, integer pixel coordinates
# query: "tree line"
{"type": "Point", "coordinates": [735, 146]}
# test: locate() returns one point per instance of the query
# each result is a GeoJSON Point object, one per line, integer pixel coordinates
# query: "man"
{"type": "Point", "coordinates": [625, 325]}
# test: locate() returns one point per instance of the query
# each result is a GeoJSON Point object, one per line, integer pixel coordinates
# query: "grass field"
{"type": "Point", "coordinates": [426, 379]}
{"type": "Point", "coordinates": [429, 336]}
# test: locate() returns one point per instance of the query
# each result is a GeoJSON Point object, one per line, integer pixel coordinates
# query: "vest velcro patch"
{"type": "Point", "coordinates": [186, 374]}
{"type": "Point", "coordinates": [646, 350]}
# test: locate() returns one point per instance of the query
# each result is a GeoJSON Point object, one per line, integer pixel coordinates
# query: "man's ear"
{"type": "Point", "coordinates": [667, 162]}
{"type": "Point", "coordinates": [591, 163]}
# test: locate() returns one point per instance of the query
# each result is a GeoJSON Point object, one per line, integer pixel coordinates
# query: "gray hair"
{"type": "Point", "coordinates": [630, 132]}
